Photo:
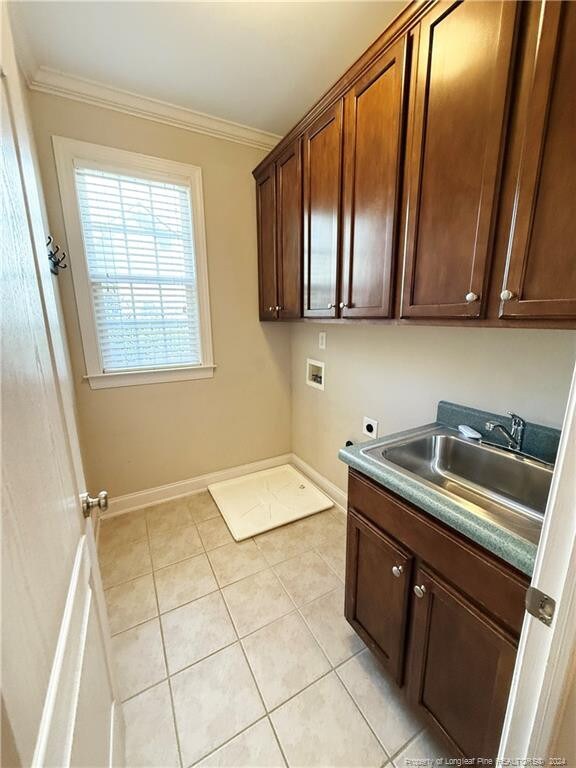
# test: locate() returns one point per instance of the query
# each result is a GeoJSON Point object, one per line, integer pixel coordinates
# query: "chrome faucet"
{"type": "Point", "coordinates": [515, 436]}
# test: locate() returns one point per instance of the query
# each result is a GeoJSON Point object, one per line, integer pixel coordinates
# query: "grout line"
{"type": "Point", "coordinates": [166, 661]}
{"type": "Point", "coordinates": [280, 747]}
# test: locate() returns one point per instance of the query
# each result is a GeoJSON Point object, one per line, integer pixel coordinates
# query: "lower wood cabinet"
{"type": "Point", "coordinates": [440, 613]}
{"type": "Point", "coordinates": [461, 666]}
{"type": "Point", "coordinates": [378, 615]}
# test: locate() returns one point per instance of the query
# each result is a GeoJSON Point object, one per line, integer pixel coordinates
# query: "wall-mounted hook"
{"type": "Point", "coordinates": [56, 263]}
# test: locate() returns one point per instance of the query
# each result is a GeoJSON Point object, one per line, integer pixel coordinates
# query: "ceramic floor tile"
{"type": "Point", "coordinates": [214, 533]}
{"type": "Point", "coordinates": [282, 543]}
{"type": "Point", "coordinates": [202, 507]}
{"type": "Point", "coordinates": [185, 581]}
{"type": "Point", "coordinates": [168, 515]}
{"type": "Point", "coordinates": [123, 562]}
{"type": "Point", "coordinates": [256, 600]}
{"type": "Point", "coordinates": [150, 733]}
{"type": "Point", "coordinates": [214, 700]}
{"type": "Point", "coordinates": [424, 750]}
{"type": "Point", "coordinates": [122, 528]}
{"type": "Point", "coordinates": [138, 658]}
{"type": "Point", "coordinates": [131, 603]}
{"type": "Point", "coordinates": [256, 747]}
{"type": "Point", "coordinates": [325, 619]}
{"type": "Point", "coordinates": [323, 528]}
{"type": "Point", "coordinates": [167, 547]}
{"type": "Point", "coordinates": [306, 577]}
{"type": "Point", "coordinates": [322, 727]}
{"type": "Point", "coordinates": [233, 562]}
{"type": "Point", "coordinates": [196, 630]}
{"type": "Point", "coordinates": [380, 700]}
{"type": "Point", "coordinates": [335, 556]}
{"type": "Point", "coordinates": [284, 658]}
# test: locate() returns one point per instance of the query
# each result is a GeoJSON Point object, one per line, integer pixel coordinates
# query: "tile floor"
{"type": "Point", "coordinates": [238, 654]}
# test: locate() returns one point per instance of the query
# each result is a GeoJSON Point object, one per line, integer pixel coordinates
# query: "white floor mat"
{"type": "Point", "coordinates": [264, 500]}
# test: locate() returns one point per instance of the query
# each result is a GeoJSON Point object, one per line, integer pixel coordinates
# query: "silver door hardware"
{"type": "Point", "coordinates": [419, 591]}
{"type": "Point", "coordinates": [540, 605]}
{"type": "Point", "coordinates": [343, 305]}
{"type": "Point", "coordinates": [506, 295]}
{"type": "Point", "coordinates": [89, 503]}
{"type": "Point", "coordinates": [331, 306]}
{"type": "Point", "coordinates": [471, 297]}
{"type": "Point", "coordinates": [397, 570]}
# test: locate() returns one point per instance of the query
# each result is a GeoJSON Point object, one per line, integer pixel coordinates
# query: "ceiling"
{"type": "Point", "coordinates": [261, 64]}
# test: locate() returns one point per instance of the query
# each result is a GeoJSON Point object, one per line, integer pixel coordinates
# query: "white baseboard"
{"type": "Point", "coordinates": [132, 501]}
{"type": "Point", "coordinates": [338, 496]}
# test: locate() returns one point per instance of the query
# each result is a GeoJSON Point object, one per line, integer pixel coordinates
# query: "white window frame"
{"type": "Point", "coordinates": [70, 154]}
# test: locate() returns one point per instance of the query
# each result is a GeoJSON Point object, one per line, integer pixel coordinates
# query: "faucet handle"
{"type": "Point", "coordinates": [515, 417]}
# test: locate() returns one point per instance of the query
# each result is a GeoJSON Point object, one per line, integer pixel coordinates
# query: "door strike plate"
{"type": "Point", "coordinates": [540, 605]}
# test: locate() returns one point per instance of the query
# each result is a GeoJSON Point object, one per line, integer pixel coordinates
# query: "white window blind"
{"type": "Point", "coordinates": [139, 248]}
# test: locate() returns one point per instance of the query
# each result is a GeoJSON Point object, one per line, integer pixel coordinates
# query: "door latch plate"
{"type": "Point", "coordinates": [540, 605]}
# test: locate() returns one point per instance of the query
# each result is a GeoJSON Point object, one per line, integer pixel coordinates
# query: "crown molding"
{"type": "Point", "coordinates": [56, 83]}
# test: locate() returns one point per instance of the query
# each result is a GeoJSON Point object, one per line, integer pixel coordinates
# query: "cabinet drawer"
{"type": "Point", "coordinates": [493, 584]}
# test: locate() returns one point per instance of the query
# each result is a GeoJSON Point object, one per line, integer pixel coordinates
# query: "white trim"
{"type": "Point", "coordinates": [132, 501]}
{"type": "Point", "coordinates": [338, 496]}
{"type": "Point", "coordinates": [153, 376]}
{"type": "Point", "coordinates": [47, 80]}
{"type": "Point", "coordinates": [545, 654]}
{"type": "Point", "coordinates": [69, 154]}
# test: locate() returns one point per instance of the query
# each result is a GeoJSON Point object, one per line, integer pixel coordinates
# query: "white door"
{"type": "Point", "coordinates": [58, 693]}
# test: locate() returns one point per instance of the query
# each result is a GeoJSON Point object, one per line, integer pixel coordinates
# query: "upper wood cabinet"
{"type": "Point", "coordinates": [540, 280]}
{"type": "Point", "coordinates": [289, 229]}
{"type": "Point", "coordinates": [458, 102]}
{"type": "Point", "coordinates": [279, 209]}
{"type": "Point", "coordinates": [322, 183]}
{"type": "Point", "coordinates": [433, 182]}
{"type": "Point", "coordinates": [266, 213]}
{"type": "Point", "coordinates": [373, 117]}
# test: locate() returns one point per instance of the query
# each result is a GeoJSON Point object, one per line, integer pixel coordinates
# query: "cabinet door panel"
{"type": "Point", "coordinates": [373, 123]}
{"type": "Point", "coordinates": [377, 601]}
{"type": "Point", "coordinates": [322, 179]}
{"type": "Point", "coordinates": [289, 221]}
{"type": "Point", "coordinates": [266, 213]}
{"type": "Point", "coordinates": [460, 667]}
{"type": "Point", "coordinates": [455, 136]}
{"type": "Point", "coordinates": [542, 261]}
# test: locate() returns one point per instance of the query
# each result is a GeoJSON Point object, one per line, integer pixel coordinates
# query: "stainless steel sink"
{"type": "Point", "coordinates": [509, 488]}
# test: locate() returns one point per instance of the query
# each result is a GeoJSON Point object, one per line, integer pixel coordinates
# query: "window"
{"type": "Point", "coordinates": [136, 237]}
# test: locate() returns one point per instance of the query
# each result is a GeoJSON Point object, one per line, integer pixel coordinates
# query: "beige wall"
{"type": "Point", "coordinates": [135, 438]}
{"type": "Point", "coordinates": [397, 374]}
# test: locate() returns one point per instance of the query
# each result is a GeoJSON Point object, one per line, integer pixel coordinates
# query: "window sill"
{"type": "Point", "coordinates": [153, 376]}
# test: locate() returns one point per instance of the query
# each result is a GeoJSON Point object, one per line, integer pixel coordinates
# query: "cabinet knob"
{"type": "Point", "coordinates": [506, 295]}
{"type": "Point", "coordinates": [331, 306]}
{"type": "Point", "coordinates": [279, 308]}
{"type": "Point", "coordinates": [472, 297]}
{"type": "Point", "coordinates": [271, 309]}
{"type": "Point", "coordinates": [397, 570]}
{"type": "Point", "coordinates": [419, 591]}
{"type": "Point", "coordinates": [343, 305]}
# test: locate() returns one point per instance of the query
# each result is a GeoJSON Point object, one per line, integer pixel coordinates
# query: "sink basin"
{"type": "Point", "coordinates": [508, 488]}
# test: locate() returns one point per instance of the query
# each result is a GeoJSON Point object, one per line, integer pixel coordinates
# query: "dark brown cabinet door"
{"type": "Point", "coordinates": [322, 180]}
{"type": "Point", "coordinates": [377, 591]}
{"type": "Point", "coordinates": [373, 110]}
{"type": "Point", "coordinates": [458, 102]}
{"type": "Point", "coordinates": [541, 275]}
{"type": "Point", "coordinates": [289, 223]}
{"type": "Point", "coordinates": [460, 667]}
{"type": "Point", "coordinates": [266, 213]}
